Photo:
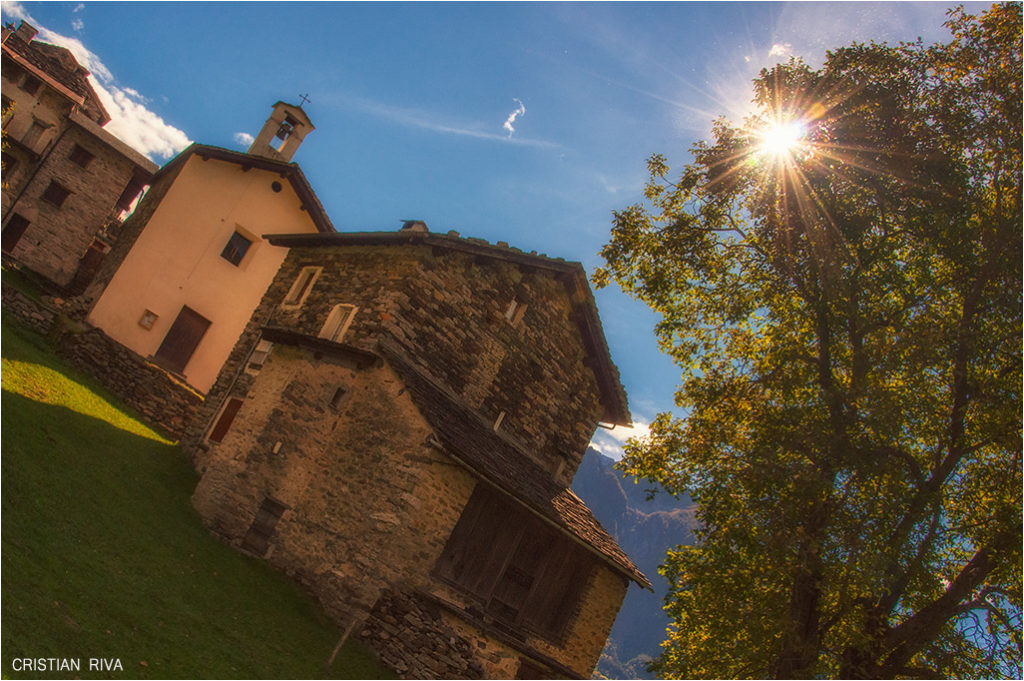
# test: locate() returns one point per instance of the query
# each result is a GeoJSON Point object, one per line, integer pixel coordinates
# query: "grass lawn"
{"type": "Point", "coordinates": [104, 557]}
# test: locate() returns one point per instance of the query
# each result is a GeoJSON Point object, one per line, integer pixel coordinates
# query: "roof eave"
{"type": "Point", "coordinates": [290, 171]}
{"type": "Point", "coordinates": [613, 395]}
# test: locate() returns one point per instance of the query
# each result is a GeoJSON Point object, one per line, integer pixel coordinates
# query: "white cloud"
{"type": "Point", "coordinates": [78, 23]}
{"type": "Point", "coordinates": [609, 442]}
{"type": "Point", "coordinates": [520, 110]}
{"type": "Point", "coordinates": [244, 138]}
{"type": "Point", "coordinates": [131, 120]}
{"type": "Point", "coordinates": [415, 118]}
{"type": "Point", "coordinates": [780, 50]}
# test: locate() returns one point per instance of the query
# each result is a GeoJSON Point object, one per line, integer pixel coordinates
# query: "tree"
{"type": "Point", "coordinates": [839, 279]}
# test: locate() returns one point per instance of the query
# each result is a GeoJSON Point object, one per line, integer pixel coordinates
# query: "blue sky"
{"type": "Point", "coordinates": [520, 122]}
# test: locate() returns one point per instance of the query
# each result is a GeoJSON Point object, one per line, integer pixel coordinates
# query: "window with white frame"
{"type": "Point", "coordinates": [301, 287]}
{"type": "Point", "coordinates": [515, 311]}
{"type": "Point", "coordinates": [338, 322]}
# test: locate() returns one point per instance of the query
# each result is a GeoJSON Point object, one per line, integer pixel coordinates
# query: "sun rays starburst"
{"type": "Point", "coordinates": [782, 138]}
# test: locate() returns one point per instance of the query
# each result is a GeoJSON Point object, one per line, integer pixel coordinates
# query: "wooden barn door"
{"type": "Point", "coordinates": [181, 340]}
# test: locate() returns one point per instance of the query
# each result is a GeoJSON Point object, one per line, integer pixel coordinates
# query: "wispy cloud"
{"type": "Point", "coordinates": [780, 50]}
{"type": "Point", "coordinates": [78, 23]}
{"type": "Point", "coordinates": [244, 138]}
{"type": "Point", "coordinates": [520, 110]}
{"type": "Point", "coordinates": [424, 120]}
{"type": "Point", "coordinates": [131, 120]}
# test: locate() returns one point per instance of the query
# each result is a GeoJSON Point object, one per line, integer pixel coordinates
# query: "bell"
{"type": "Point", "coordinates": [284, 130]}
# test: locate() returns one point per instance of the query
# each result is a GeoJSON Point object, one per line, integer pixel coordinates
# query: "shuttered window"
{"type": "Point", "coordinates": [524, 573]}
{"type": "Point", "coordinates": [227, 416]}
{"type": "Point", "coordinates": [257, 539]}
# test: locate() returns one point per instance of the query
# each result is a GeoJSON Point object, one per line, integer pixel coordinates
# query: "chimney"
{"type": "Point", "coordinates": [26, 31]}
{"type": "Point", "coordinates": [414, 226]}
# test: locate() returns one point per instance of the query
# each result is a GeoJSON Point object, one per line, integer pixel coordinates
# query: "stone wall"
{"type": "Point", "coordinates": [58, 236]}
{"type": "Point", "coordinates": [410, 636]}
{"type": "Point", "coordinates": [36, 315]}
{"type": "Point", "coordinates": [448, 312]}
{"type": "Point", "coordinates": [370, 503]}
{"type": "Point", "coordinates": [163, 401]}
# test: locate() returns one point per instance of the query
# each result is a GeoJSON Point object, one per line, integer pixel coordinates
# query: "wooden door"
{"type": "Point", "coordinates": [181, 340]}
{"type": "Point", "coordinates": [87, 267]}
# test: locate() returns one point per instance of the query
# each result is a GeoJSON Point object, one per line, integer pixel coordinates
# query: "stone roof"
{"type": "Point", "coordinates": [468, 438]}
{"type": "Point", "coordinates": [613, 395]}
{"type": "Point", "coordinates": [290, 171]}
{"type": "Point", "coordinates": [59, 64]}
{"type": "Point", "coordinates": [465, 436]}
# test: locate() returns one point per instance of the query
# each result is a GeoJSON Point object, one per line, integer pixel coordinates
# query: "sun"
{"type": "Point", "coordinates": [782, 139]}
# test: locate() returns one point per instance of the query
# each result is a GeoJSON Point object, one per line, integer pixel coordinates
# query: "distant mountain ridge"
{"type": "Point", "coordinates": [645, 530]}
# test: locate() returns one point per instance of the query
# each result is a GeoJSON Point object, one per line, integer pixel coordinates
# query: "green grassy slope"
{"type": "Point", "coordinates": [104, 557]}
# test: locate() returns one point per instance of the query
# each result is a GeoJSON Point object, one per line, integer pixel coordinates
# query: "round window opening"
{"type": "Point", "coordinates": [276, 186]}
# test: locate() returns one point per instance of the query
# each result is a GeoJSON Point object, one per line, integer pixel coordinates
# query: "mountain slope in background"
{"type": "Point", "coordinates": [645, 530]}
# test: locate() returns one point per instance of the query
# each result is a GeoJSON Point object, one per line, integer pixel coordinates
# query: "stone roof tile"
{"type": "Point", "coordinates": [503, 463]}
{"type": "Point", "coordinates": [55, 61]}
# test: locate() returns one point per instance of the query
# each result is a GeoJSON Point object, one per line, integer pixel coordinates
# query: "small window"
{"type": "Point", "coordinates": [35, 131]}
{"type": "Point", "coordinates": [13, 231]}
{"type": "Point", "coordinates": [31, 84]}
{"type": "Point", "coordinates": [81, 156]}
{"type": "Point", "coordinates": [514, 313]}
{"type": "Point", "coordinates": [257, 539]}
{"type": "Point", "coordinates": [235, 249]}
{"type": "Point", "coordinates": [338, 398]}
{"type": "Point", "coordinates": [56, 194]}
{"type": "Point", "coordinates": [147, 319]}
{"type": "Point", "coordinates": [259, 355]}
{"type": "Point", "coordinates": [302, 286]}
{"type": "Point", "coordinates": [338, 322]}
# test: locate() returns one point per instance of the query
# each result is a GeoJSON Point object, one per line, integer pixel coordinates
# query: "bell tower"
{"type": "Point", "coordinates": [282, 133]}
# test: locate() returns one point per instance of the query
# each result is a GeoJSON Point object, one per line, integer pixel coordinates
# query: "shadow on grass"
{"type": "Point", "coordinates": [104, 557]}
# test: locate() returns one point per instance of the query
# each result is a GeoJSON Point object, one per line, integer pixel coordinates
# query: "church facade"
{"type": "Point", "coordinates": [192, 264]}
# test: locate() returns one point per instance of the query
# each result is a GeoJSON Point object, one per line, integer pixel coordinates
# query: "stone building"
{"type": "Point", "coordinates": [191, 264]}
{"type": "Point", "coordinates": [68, 182]}
{"type": "Point", "coordinates": [397, 429]}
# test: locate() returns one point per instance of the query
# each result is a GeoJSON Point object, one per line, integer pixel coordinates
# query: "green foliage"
{"type": "Point", "coordinates": [104, 556]}
{"type": "Point", "coordinates": [847, 315]}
